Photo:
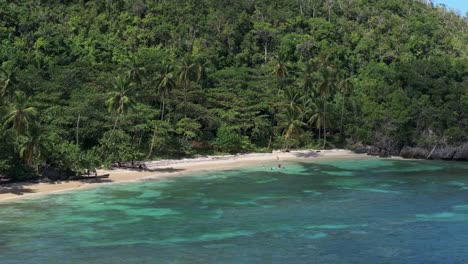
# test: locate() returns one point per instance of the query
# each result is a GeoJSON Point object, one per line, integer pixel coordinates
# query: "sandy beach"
{"type": "Point", "coordinates": [172, 168]}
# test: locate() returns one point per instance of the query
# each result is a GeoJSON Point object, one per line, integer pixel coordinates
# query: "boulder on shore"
{"type": "Point", "coordinates": [444, 153]}
{"type": "Point", "coordinates": [462, 153]}
{"type": "Point", "coordinates": [414, 153]}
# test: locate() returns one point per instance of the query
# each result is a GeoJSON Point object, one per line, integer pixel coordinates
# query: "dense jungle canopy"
{"type": "Point", "coordinates": [85, 83]}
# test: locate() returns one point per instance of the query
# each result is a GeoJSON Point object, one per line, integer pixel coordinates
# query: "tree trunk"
{"type": "Point", "coordinates": [113, 129]}
{"type": "Point", "coordinates": [141, 136]}
{"type": "Point", "coordinates": [152, 142]}
{"type": "Point", "coordinates": [320, 133]}
{"type": "Point", "coordinates": [77, 127]}
{"type": "Point", "coordinates": [324, 126]}
{"type": "Point", "coordinates": [266, 52]}
{"type": "Point", "coordinates": [162, 110]}
{"type": "Point", "coordinates": [342, 115]}
{"type": "Point", "coordinates": [269, 143]}
{"type": "Point", "coordinates": [30, 155]}
{"type": "Point", "coordinates": [186, 87]}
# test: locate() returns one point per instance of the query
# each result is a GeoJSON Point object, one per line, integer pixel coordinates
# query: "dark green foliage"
{"type": "Point", "coordinates": [229, 139]}
{"type": "Point", "coordinates": [86, 83]}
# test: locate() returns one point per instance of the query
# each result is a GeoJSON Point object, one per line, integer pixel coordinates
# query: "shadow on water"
{"type": "Point", "coordinates": [404, 168]}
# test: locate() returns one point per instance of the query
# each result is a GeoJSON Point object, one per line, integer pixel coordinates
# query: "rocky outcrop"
{"type": "Point", "coordinates": [461, 154]}
{"type": "Point", "coordinates": [414, 153]}
{"type": "Point", "coordinates": [441, 152]}
{"type": "Point", "coordinates": [375, 150]}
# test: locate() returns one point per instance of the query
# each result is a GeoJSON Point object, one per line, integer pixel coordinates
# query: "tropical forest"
{"type": "Point", "coordinates": [85, 84]}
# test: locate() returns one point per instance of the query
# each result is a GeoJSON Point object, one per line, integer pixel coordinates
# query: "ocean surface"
{"type": "Point", "coordinates": [324, 211]}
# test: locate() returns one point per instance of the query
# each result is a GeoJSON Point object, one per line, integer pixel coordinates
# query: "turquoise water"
{"type": "Point", "coordinates": [336, 211]}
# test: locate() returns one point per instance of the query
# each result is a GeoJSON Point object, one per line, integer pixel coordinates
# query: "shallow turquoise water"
{"type": "Point", "coordinates": [336, 211]}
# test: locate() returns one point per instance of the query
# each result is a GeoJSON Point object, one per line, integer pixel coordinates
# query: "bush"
{"type": "Point", "coordinates": [116, 146]}
{"type": "Point", "coordinates": [230, 140]}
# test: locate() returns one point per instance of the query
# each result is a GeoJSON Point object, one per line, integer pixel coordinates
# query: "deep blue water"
{"type": "Point", "coordinates": [324, 211]}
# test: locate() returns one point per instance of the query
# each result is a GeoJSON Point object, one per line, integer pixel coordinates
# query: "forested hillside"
{"type": "Point", "coordinates": [85, 83]}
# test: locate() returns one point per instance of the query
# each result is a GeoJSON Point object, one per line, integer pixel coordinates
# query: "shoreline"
{"type": "Point", "coordinates": [172, 168]}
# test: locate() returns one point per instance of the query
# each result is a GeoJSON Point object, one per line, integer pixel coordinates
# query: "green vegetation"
{"type": "Point", "coordinates": [85, 83]}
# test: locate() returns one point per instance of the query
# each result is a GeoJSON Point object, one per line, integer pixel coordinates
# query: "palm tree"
{"type": "Point", "coordinates": [318, 118]}
{"type": "Point", "coordinates": [7, 78]}
{"type": "Point", "coordinates": [188, 73]}
{"type": "Point", "coordinates": [292, 125]}
{"type": "Point", "coordinates": [307, 75]}
{"type": "Point", "coordinates": [328, 82]}
{"type": "Point", "coordinates": [280, 72]}
{"type": "Point", "coordinates": [326, 86]}
{"type": "Point", "coordinates": [120, 100]}
{"type": "Point", "coordinates": [201, 72]}
{"type": "Point", "coordinates": [345, 86]}
{"type": "Point", "coordinates": [34, 144]}
{"type": "Point", "coordinates": [165, 83]}
{"type": "Point", "coordinates": [134, 71]}
{"type": "Point", "coordinates": [20, 115]}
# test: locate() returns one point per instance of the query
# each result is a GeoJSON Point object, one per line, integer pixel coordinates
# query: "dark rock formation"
{"type": "Point", "coordinates": [441, 152]}
{"type": "Point", "coordinates": [50, 173]}
{"type": "Point", "coordinates": [414, 153]}
{"type": "Point", "coordinates": [444, 153]}
{"type": "Point", "coordinates": [462, 153]}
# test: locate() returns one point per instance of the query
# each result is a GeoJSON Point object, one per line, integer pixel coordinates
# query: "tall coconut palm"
{"type": "Point", "coordinates": [345, 86]}
{"type": "Point", "coordinates": [280, 72]}
{"type": "Point", "coordinates": [292, 124]}
{"type": "Point", "coordinates": [165, 82]}
{"type": "Point", "coordinates": [120, 100]}
{"type": "Point", "coordinates": [188, 73]}
{"type": "Point", "coordinates": [307, 77]}
{"type": "Point", "coordinates": [201, 72]}
{"type": "Point", "coordinates": [326, 86]}
{"type": "Point", "coordinates": [19, 115]}
{"type": "Point", "coordinates": [328, 82]}
{"type": "Point", "coordinates": [34, 144]}
{"type": "Point", "coordinates": [7, 78]}
{"type": "Point", "coordinates": [134, 71]}
{"type": "Point", "coordinates": [318, 117]}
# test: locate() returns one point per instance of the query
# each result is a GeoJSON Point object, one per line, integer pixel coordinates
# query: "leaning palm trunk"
{"type": "Point", "coordinates": [152, 142]}
{"type": "Point", "coordinates": [162, 108]}
{"type": "Point", "coordinates": [324, 126]}
{"type": "Point", "coordinates": [77, 128]}
{"type": "Point", "coordinates": [342, 114]}
{"type": "Point", "coordinates": [29, 156]}
{"type": "Point", "coordinates": [113, 129]}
